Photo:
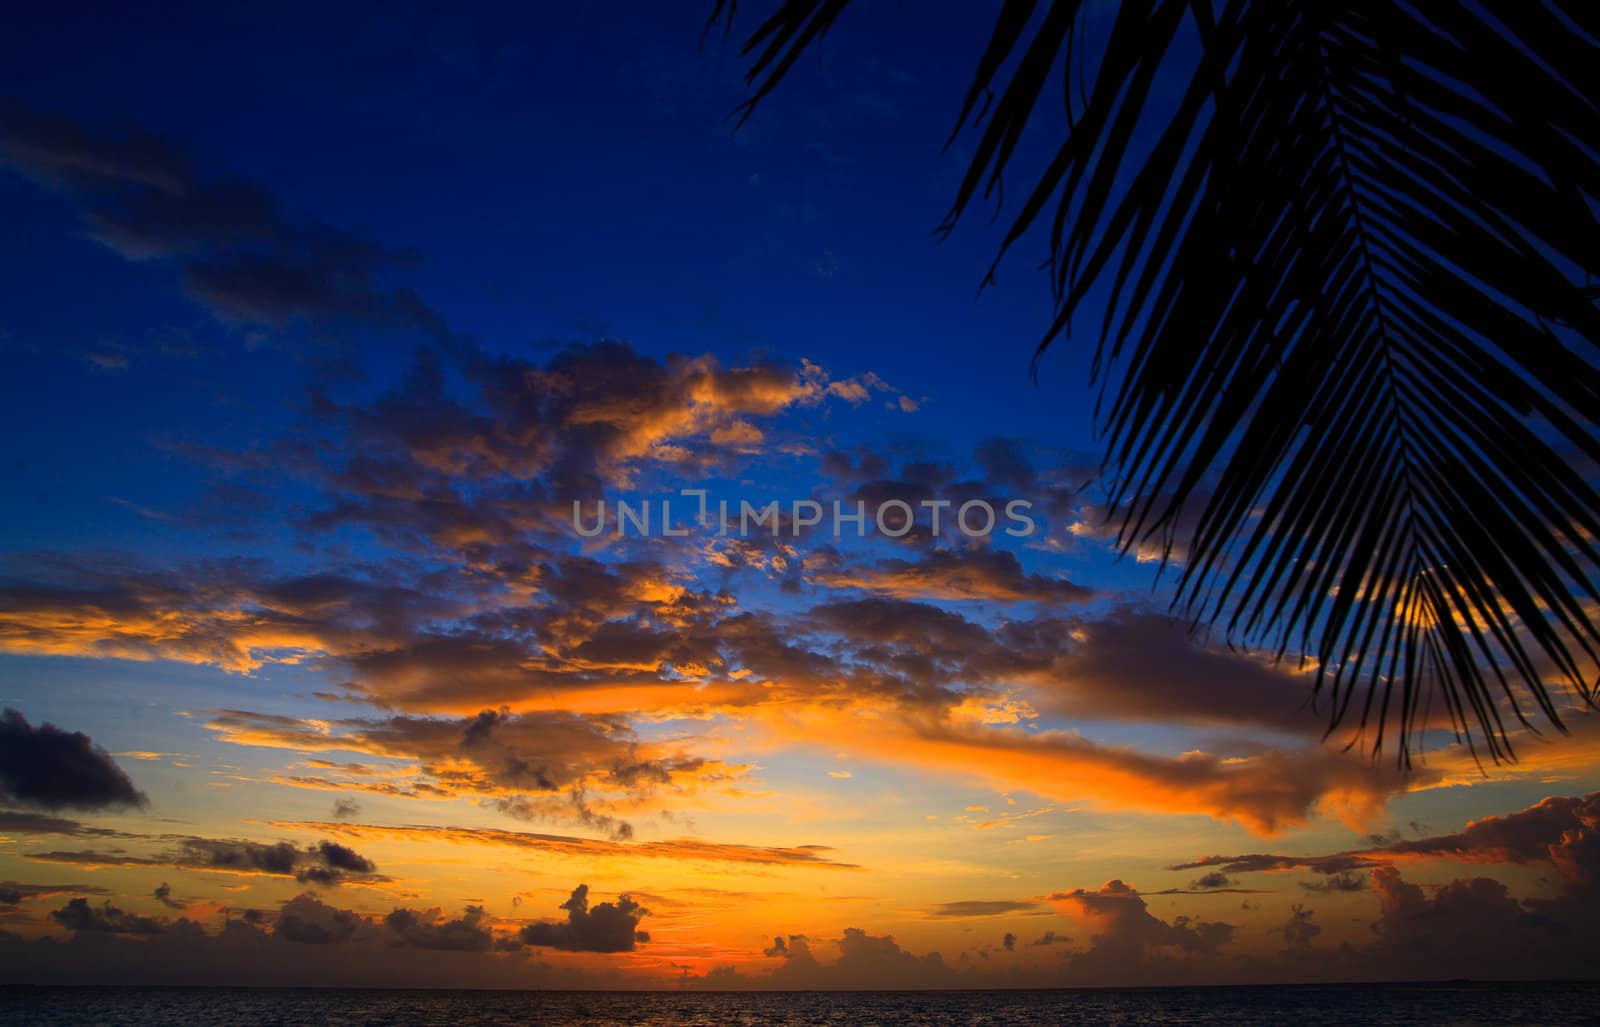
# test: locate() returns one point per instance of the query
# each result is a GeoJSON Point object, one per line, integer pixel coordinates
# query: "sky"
{"type": "Point", "coordinates": [317, 326]}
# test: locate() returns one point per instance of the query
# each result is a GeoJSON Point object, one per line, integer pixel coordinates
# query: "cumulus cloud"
{"type": "Point", "coordinates": [866, 961]}
{"type": "Point", "coordinates": [607, 927]}
{"type": "Point", "coordinates": [429, 929]}
{"type": "Point", "coordinates": [305, 942]}
{"type": "Point", "coordinates": [307, 920]}
{"type": "Point", "coordinates": [53, 769]}
{"type": "Point", "coordinates": [1128, 940]}
{"type": "Point", "coordinates": [1562, 831]}
{"type": "Point", "coordinates": [79, 915]}
{"type": "Point", "coordinates": [1557, 830]}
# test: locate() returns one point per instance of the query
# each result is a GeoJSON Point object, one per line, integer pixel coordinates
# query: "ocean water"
{"type": "Point", "coordinates": [1411, 1005]}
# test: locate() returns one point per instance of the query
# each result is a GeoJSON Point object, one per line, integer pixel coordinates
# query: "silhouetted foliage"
{"type": "Point", "coordinates": [1346, 350]}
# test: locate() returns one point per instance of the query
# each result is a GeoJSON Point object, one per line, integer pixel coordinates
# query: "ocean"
{"type": "Point", "coordinates": [1299, 1006]}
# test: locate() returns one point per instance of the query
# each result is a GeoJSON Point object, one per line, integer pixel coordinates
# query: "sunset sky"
{"type": "Point", "coordinates": [315, 327]}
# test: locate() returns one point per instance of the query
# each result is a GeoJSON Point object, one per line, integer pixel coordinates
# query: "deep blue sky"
{"type": "Point", "coordinates": [560, 173]}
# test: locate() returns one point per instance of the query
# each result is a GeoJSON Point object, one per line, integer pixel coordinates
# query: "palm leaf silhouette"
{"type": "Point", "coordinates": [1349, 321]}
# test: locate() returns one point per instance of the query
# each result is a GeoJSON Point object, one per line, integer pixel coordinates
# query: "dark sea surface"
{"type": "Point", "coordinates": [1421, 1004]}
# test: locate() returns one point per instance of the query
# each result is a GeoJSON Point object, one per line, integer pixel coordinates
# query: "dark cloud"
{"type": "Point", "coordinates": [59, 151]}
{"type": "Point", "coordinates": [574, 808]}
{"type": "Point", "coordinates": [428, 930]}
{"type": "Point", "coordinates": [326, 863]}
{"type": "Point", "coordinates": [1260, 862]}
{"type": "Point", "coordinates": [78, 915]}
{"type": "Point", "coordinates": [163, 895]}
{"type": "Point", "coordinates": [1009, 942]}
{"type": "Point", "coordinates": [1005, 462]}
{"type": "Point", "coordinates": [1340, 882]}
{"type": "Point", "coordinates": [13, 893]}
{"type": "Point", "coordinates": [1474, 928]}
{"type": "Point", "coordinates": [866, 961]}
{"type": "Point", "coordinates": [1299, 932]}
{"type": "Point", "coordinates": [608, 927]}
{"type": "Point", "coordinates": [340, 857]}
{"type": "Point", "coordinates": [1563, 831]}
{"type": "Point", "coordinates": [578, 764]}
{"type": "Point", "coordinates": [18, 822]}
{"type": "Point", "coordinates": [308, 920]}
{"type": "Point", "coordinates": [1049, 938]}
{"type": "Point", "coordinates": [952, 574]}
{"type": "Point", "coordinates": [55, 769]}
{"type": "Point", "coordinates": [239, 253]}
{"type": "Point", "coordinates": [1133, 664]}
{"type": "Point", "coordinates": [981, 907]}
{"type": "Point", "coordinates": [346, 809]}
{"type": "Point", "coordinates": [1129, 942]}
{"type": "Point", "coordinates": [304, 943]}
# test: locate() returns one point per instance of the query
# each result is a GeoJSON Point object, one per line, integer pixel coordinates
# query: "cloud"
{"type": "Point", "coordinates": [54, 769]}
{"type": "Point", "coordinates": [1563, 831]}
{"type": "Point", "coordinates": [14, 893]}
{"type": "Point", "coordinates": [1129, 942]}
{"type": "Point", "coordinates": [582, 764]}
{"type": "Point", "coordinates": [608, 927]}
{"type": "Point", "coordinates": [163, 895]}
{"type": "Point", "coordinates": [304, 943]}
{"type": "Point", "coordinates": [18, 822]}
{"type": "Point", "coordinates": [981, 907]}
{"type": "Point", "coordinates": [307, 920]}
{"type": "Point", "coordinates": [239, 253]}
{"type": "Point", "coordinates": [1340, 882]}
{"type": "Point", "coordinates": [1137, 665]}
{"type": "Point", "coordinates": [1261, 862]}
{"type": "Point", "coordinates": [56, 150]}
{"type": "Point", "coordinates": [429, 930]}
{"type": "Point", "coordinates": [866, 962]}
{"type": "Point", "coordinates": [77, 915]}
{"type": "Point", "coordinates": [685, 849]}
{"type": "Point", "coordinates": [1298, 931]}
{"type": "Point", "coordinates": [924, 679]}
{"type": "Point", "coordinates": [954, 574]}
{"type": "Point", "coordinates": [1265, 792]}
{"type": "Point", "coordinates": [1556, 830]}
{"type": "Point", "coordinates": [325, 863]}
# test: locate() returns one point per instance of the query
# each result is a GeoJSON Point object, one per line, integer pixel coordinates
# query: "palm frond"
{"type": "Point", "coordinates": [1347, 282]}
